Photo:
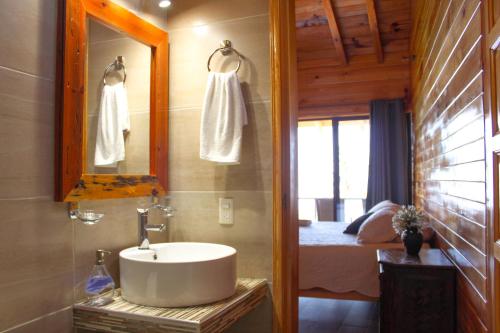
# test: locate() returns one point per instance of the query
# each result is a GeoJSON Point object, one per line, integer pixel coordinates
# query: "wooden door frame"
{"type": "Point", "coordinates": [284, 118]}
{"type": "Point", "coordinates": [492, 160]}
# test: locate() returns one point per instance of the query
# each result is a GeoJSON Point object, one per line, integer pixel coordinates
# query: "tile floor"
{"type": "Point", "coordinates": [337, 316]}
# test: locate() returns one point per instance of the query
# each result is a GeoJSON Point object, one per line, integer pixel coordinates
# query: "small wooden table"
{"type": "Point", "coordinates": [417, 293]}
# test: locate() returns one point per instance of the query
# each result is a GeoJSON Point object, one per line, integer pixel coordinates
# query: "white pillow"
{"type": "Point", "coordinates": [382, 205]}
{"type": "Point", "coordinates": [378, 227]}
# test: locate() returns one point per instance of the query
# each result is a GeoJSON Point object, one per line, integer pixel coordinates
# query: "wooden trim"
{"type": "Point", "coordinates": [335, 31]}
{"type": "Point", "coordinates": [323, 293]}
{"type": "Point", "coordinates": [59, 88]}
{"type": "Point", "coordinates": [97, 187]}
{"type": "Point", "coordinates": [373, 22]}
{"type": "Point", "coordinates": [496, 250]}
{"type": "Point", "coordinates": [490, 101]}
{"type": "Point", "coordinates": [111, 14]}
{"type": "Point", "coordinates": [327, 112]}
{"type": "Point", "coordinates": [71, 100]}
{"type": "Point", "coordinates": [284, 115]}
{"type": "Point", "coordinates": [71, 181]}
{"type": "Point", "coordinates": [491, 37]}
{"type": "Point", "coordinates": [158, 141]}
{"type": "Point", "coordinates": [336, 169]}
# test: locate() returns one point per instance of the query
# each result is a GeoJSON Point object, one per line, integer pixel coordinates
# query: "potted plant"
{"type": "Point", "coordinates": [408, 223]}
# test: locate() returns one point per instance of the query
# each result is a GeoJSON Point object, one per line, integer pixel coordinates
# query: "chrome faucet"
{"type": "Point", "coordinates": [144, 227]}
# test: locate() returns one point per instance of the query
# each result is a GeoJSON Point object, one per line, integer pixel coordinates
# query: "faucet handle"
{"type": "Point", "coordinates": [144, 244]}
{"type": "Point", "coordinates": [155, 227]}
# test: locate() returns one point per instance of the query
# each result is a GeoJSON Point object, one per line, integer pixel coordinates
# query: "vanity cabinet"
{"type": "Point", "coordinates": [121, 316]}
{"type": "Point", "coordinates": [418, 294]}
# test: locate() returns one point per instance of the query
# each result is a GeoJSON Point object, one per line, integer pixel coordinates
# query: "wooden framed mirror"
{"type": "Point", "coordinates": [111, 142]}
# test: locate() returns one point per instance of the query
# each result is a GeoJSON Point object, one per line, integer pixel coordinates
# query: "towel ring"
{"type": "Point", "coordinates": [118, 64]}
{"type": "Point", "coordinates": [225, 49]}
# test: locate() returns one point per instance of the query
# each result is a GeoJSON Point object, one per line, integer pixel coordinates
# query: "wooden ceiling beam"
{"type": "Point", "coordinates": [373, 22]}
{"type": "Point", "coordinates": [334, 30]}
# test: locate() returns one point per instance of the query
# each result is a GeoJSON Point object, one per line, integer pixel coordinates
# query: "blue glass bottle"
{"type": "Point", "coordinates": [100, 287]}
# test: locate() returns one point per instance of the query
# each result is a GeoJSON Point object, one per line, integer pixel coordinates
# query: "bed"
{"type": "Point", "coordinates": [334, 265]}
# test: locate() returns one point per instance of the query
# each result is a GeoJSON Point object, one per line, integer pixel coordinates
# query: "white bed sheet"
{"type": "Point", "coordinates": [335, 261]}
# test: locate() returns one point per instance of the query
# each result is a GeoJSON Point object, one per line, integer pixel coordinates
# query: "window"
{"type": "Point", "coordinates": [315, 165]}
{"type": "Point", "coordinates": [333, 164]}
{"type": "Point", "coordinates": [354, 154]}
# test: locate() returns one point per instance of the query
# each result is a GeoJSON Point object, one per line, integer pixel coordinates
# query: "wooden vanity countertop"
{"type": "Point", "coordinates": [121, 316]}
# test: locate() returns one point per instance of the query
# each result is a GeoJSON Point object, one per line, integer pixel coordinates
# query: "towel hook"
{"type": "Point", "coordinates": [225, 48]}
{"type": "Point", "coordinates": [118, 64]}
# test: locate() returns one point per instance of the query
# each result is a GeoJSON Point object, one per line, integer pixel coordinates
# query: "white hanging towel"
{"type": "Point", "coordinates": [222, 119]}
{"type": "Point", "coordinates": [113, 121]}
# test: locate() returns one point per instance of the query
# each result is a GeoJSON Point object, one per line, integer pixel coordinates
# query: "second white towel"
{"type": "Point", "coordinates": [222, 119]}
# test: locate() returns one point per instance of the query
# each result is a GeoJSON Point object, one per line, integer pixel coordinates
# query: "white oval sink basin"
{"type": "Point", "coordinates": [183, 274]}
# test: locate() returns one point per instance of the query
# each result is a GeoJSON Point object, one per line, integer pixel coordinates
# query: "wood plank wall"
{"type": "Point", "coordinates": [353, 85]}
{"type": "Point", "coordinates": [447, 89]}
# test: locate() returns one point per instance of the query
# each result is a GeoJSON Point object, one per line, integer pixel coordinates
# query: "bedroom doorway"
{"type": "Point", "coordinates": [333, 165]}
{"type": "Point", "coordinates": [333, 156]}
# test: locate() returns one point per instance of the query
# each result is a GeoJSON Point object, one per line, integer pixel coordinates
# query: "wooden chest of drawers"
{"type": "Point", "coordinates": [417, 293]}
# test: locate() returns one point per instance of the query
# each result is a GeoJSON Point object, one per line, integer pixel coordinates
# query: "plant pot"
{"type": "Point", "coordinates": [413, 241]}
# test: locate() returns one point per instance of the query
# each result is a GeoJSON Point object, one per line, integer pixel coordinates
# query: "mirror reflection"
{"type": "Point", "coordinates": [118, 102]}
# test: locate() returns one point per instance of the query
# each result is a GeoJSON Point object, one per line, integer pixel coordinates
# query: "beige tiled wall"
{"type": "Point", "coordinates": [43, 256]}
{"type": "Point", "coordinates": [196, 28]}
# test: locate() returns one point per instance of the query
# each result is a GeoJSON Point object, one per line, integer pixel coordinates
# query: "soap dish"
{"type": "Point", "coordinates": [89, 216]}
{"type": "Point", "coordinates": [85, 216]}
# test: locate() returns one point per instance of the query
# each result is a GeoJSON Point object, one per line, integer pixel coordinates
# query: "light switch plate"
{"type": "Point", "coordinates": [226, 212]}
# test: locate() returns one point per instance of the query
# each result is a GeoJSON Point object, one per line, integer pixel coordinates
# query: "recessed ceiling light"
{"type": "Point", "coordinates": [164, 3]}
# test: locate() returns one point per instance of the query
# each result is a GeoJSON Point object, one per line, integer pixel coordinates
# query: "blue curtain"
{"type": "Point", "coordinates": [389, 175]}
